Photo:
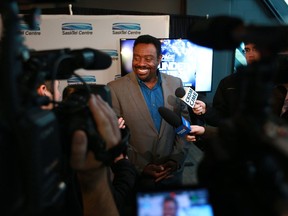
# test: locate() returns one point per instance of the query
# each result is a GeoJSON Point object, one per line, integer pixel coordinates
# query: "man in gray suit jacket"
{"type": "Point", "coordinates": [155, 149]}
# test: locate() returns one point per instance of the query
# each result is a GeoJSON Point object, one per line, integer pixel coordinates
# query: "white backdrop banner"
{"type": "Point", "coordinates": [97, 32]}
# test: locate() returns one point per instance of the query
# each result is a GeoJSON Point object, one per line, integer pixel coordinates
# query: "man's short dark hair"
{"type": "Point", "coordinates": [148, 39]}
{"type": "Point", "coordinates": [248, 42]}
{"type": "Point", "coordinates": [170, 199]}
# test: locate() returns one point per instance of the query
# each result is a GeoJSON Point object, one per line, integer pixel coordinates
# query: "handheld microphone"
{"type": "Point", "coordinates": [187, 95]}
{"type": "Point", "coordinates": [181, 125]}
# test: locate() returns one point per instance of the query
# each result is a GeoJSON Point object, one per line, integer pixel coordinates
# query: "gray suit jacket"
{"type": "Point", "coordinates": [146, 144]}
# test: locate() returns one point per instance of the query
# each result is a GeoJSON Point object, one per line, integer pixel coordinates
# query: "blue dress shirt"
{"type": "Point", "coordinates": [154, 100]}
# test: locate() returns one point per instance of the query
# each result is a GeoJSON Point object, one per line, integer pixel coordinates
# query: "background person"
{"type": "Point", "coordinates": [51, 90]}
{"type": "Point", "coordinates": [226, 98]}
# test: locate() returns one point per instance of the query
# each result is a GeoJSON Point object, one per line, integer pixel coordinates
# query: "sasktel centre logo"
{"type": "Point", "coordinates": [26, 30]}
{"type": "Point", "coordinates": [126, 29]}
{"type": "Point", "coordinates": [77, 29]}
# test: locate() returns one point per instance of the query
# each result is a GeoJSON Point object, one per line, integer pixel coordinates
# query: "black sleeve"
{"type": "Point", "coordinates": [74, 205]}
{"type": "Point", "coordinates": [125, 177]}
{"type": "Point", "coordinates": [225, 101]}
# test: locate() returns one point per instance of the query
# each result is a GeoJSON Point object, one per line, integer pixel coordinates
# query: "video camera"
{"type": "Point", "coordinates": [74, 114]}
{"type": "Point", "coordinates": [35, 142]}
{"type": "Point", "coordinates": [244, 168]}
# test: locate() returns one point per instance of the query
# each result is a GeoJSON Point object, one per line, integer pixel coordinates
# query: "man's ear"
{"type": "Point", "coordinates": [159, 59]}
{"type": "Point", "coordinates": [41, 90]}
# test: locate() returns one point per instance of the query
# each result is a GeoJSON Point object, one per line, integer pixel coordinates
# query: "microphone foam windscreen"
{"type": "Point", "coordinates": [180, 92]}
{"type": "Point", "coordinates": [169, 116]}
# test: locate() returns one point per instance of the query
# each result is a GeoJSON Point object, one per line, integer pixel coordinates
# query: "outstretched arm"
{"type": "Point", "coordinates": [92, 174]}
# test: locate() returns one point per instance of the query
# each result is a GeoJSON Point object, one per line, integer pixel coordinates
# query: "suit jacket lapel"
{"type": "Point", "coordinates": [166, 93]}
{"type": "Point", "coordinates": [139, 100]}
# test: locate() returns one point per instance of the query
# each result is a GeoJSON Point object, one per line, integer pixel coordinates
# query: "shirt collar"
{"type": "Point", "coordinates": [159, 81]}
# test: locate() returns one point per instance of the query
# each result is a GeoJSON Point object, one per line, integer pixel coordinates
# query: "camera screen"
{"type": "Point", "coordinates": [189, 201]}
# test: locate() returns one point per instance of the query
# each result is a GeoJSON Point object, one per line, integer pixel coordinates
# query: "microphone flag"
{"type": "Point", "coordinates": [184, 128]}
{"type": "Point", "coordinates": [190, 96]}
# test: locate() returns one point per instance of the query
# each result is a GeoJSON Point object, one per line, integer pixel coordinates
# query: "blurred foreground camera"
{"type": "Point", "coordinates": [35, 142]}
{"type": "Point", "coordinates": [73, 114]}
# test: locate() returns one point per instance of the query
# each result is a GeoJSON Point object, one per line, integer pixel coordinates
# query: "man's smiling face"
{"type": "Point", "coordinates": [145, 61]}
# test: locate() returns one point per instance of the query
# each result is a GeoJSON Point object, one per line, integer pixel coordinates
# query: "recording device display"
{"type": "Point", "coordinates": [191, 201]}
{"type": "Point", "coordinates": [181, 125]}
{"type": "Point", "coordinates": [180, 58]}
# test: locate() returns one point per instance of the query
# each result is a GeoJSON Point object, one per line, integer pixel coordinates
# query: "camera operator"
{"type": "Point", "coordinates": [122, 172]}
{"type": "Point", "coordinates": [51, 90]}
{"type": "Point", "coordinates": [92, 174]}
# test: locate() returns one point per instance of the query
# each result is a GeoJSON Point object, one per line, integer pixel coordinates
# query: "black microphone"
{"type": "Point", "coordinates": [181, 125]}
{"type": "Point", "coordinates": [180, 92]}
{"type": "Point", "coordinates": [227, 33]}
{"type": "Point", "coordinates": [187, 95]}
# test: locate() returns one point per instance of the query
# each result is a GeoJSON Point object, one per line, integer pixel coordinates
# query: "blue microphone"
{"type": "Point", "coordinates": [181, 125]}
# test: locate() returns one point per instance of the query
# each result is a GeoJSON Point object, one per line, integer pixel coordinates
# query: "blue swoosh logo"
{"type": "Point", "coordinates": [87, 78]}
{"type": "Point", "coordinates": [126, 26]}
{"type": "Point", "coordinates": [25, 27]}
{"type": "Point", "coordinates": [77, 26]}
{"type": "Point", "coordinates": [110, 52]}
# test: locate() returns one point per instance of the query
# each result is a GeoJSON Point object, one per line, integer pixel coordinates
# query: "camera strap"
{"type": "Point", "coordinates": [108, 156]}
